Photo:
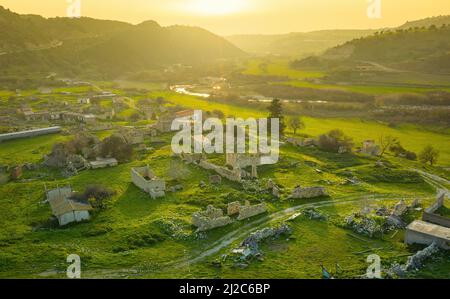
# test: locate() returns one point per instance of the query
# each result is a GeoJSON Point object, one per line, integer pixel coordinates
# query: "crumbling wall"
{"type": "Point", "coordinates": [429, 213]}
{"type": "Point", "coordinates": [144, 179]}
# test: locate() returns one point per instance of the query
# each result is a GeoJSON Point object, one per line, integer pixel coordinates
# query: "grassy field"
{"type": "Point", "coordinates": [411, 137]}
{"type": "Point", "coordinates": [384, 84]}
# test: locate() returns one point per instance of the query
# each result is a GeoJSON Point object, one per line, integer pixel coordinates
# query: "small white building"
{"type": "Point", "coordinates": [421, 232]}
{"type": "Point", "coordinates": [84, 101]}
{"type": "Point", "coordinates": [65, 209]}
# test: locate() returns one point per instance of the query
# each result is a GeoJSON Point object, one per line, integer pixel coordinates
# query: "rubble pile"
{"type": "Point", "coordinates": [250, 246]}
{"type": "Point", "coordinates": [375, 222]}
{"type": "Point", "coordinates": [314, 214]}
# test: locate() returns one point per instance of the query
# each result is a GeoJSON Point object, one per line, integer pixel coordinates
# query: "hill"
{"type": "Point", "coordinates": [298, 44]}
{"type": "Point", "coordinates": [34, 43]}
{"type": "Point", "coordinates": [427, 22]}
{"type": "Point", "coordinates": [413, 49]}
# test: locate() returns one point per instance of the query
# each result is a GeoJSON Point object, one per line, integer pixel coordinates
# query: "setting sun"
{"type": "Point", "coordinates": [214, 7]}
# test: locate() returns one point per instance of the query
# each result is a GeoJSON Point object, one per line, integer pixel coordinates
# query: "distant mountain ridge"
{"type": "Point", "coordinates": [315, 42]}
{"type": "Point", "coordinates": [298, 44]}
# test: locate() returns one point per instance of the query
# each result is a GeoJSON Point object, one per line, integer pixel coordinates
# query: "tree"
{"type": "Point", "coordinates": [160, 101]}
{"type": "Point", "coordinates": [296, 123]}
{"type": "Point", "coordinates": [116, 146]}
{"type": "Point", "coordinates": [276, 111]}
{"type": "Point", "coordinates": [385, 143]}
{"type": "Point", "coordinates": [429, 155]}
{"type": "Point", "coordinates": [219, 113]}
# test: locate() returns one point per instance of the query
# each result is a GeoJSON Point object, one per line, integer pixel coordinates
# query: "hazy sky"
{"type": "Point", "coordinates": [246, 16]}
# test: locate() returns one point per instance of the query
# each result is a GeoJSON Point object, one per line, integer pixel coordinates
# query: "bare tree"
{"type": "Point", "coordinates": [429, 155]}
{"type": "Point", "coordinates": [385, 143]}
{"type": "Point", "coordinates": [296, 123]}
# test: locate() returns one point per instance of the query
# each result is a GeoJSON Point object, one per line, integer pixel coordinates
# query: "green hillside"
{"type": "Point", "coordinates": [414, 49]}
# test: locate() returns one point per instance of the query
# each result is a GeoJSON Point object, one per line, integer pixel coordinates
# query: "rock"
{"type": "Point", "coordinates": [276, 192]}
{"type": "Point", "coordinates": [202, 184]}
{"type": "Point", "coordinates": [176, 188]}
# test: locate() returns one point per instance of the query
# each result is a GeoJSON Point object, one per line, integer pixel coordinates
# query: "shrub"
{"type": "Point", "coordinates": [116, 146]}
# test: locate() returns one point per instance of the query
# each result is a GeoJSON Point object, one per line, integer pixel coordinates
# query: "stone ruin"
{"type": "Point", "coordinates": [241, 161]}
{"type": "Point", "coordinates": [214, 217]}
{"type": "Point", "coordinates": [308, 192]}
{"type": "Point", "coordinates": [209, 219]}
{"type": "Point", "coordinates": [132, 135]}
{"type": "Point", "coordinates": [430, 214]}
{"type": "Point", "coordinates": [364, 223]}
{"type": "Point", "coordinates": [147, 181]}
{"type": "Point", "coordinates": [273, 188]}
{"type": "Point", "coordinates": [245, 211]}
{"type": "Point", "coordinates": [250, 246]}
{"type": "Point", "coordinates": [370, 148]}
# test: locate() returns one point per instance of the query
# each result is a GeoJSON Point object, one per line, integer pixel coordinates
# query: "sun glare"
{"type": "Point", "coordinates": [215, 7]}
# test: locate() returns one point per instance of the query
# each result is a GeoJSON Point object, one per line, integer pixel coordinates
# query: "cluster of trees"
{"type": "Point", "coordinates": [335, 141]}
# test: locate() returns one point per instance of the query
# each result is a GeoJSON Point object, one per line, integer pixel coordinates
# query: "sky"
{"type": "Point", "coordinates": [226, 17]}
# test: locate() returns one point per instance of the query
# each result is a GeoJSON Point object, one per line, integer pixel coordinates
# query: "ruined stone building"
{"type": "Point", "coordinates": [65, 209]}
{"type": "Point", "coordinates": [147, 181]}
{"type": "Point", "coordinates": [241, 161]}
{"type": "Point", "coordinates": [370, 148]}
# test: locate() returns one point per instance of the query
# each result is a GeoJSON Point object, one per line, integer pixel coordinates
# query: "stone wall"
{"type": "Point", "coordinates": [250, 211]}
{"type": "Point", "coordinates": [232, 175]}
{"type": "Point", "coordinates": [210, 219]}
{"type": "Point", "coordinates": [308, 192]}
